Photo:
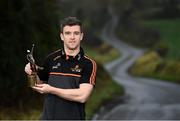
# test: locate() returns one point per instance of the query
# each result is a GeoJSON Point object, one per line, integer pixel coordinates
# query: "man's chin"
{"type": "Point", "coordinates": [72, 48]}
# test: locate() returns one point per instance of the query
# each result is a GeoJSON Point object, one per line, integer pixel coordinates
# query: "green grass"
{"type": "Point", "coordinates": [27, 115]}
{"type": "Point", "coordinates": [152, 64]}
{"type": "Point", "coordinates": [170, 33]}
{"type": "Point", "coordinates": [27, 109]}
{"type": "Point", "coordinates": [103, 54]}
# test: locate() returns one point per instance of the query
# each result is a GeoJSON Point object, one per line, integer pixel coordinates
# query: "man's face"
{"type": "Point", "coordinates": [71, 36]}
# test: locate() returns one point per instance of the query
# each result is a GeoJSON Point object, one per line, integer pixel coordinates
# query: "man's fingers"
{"type": "Point", "coordinates": [35, 88]}
{"type": "Point", "coordinates": [27, 69]}
{"type": "Point", "coordinates": [38, 89]}
{"type": "Point", "coordinates": [39, 85]}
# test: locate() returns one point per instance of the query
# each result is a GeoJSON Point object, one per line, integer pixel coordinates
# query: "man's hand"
{"type": "Point", "coordinates": [42, 88]}
{"type": "Point", "coordinates": [27, 69]}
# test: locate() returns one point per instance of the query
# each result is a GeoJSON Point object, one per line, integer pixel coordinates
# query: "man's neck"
{"type": "Point", "coordinates": [72, 52]}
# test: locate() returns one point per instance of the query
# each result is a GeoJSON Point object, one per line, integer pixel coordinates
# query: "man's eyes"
{"type": "Point", "coordinates": [76, 33]}
{"type": "Point", "coordinates": [68, 33]}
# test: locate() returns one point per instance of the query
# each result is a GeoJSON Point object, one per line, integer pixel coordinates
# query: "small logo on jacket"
{"type": "Point", "coordinates": [76, 69]}
{"type": "Point", "coordinates": [56, 66]}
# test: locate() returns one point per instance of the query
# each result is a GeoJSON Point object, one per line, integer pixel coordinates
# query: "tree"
{"type": "Point", "coordinates": [22, 23]}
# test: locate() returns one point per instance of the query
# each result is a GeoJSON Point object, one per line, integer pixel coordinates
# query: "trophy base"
{"type": "Point", "coordinates": [32, 80]}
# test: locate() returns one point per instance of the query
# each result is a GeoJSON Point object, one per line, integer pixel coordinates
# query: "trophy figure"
{"type": "Point", "coordinates": [32, 79]}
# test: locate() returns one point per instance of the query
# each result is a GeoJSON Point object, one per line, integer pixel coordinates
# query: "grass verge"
{"type": "Point", "coordinates": [157, 65]}
{"type": "Point", "coordinates": [103, 54]}
{"type": "Point", "coordinates": [153, 66]}
{"type": "Point", "coordinates": [169, 31]}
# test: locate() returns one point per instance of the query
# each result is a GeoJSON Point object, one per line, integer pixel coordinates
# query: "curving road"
{"type": "Point", "coordinates": [146, 98]}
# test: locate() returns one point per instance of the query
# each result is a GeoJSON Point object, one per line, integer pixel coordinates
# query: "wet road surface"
{"type": "Point", "coordinates": [146, 99]}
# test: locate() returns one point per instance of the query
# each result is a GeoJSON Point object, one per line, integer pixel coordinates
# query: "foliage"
{"type": "Point", "coordinates": [23, 23]}
{"type": "Point", "coordinates": [104, 53]}
{"type": "Point", "coordinates": [152, 65]}
{"type": "Point", "coordinates": [129, 27]}
{"type": "Point", "coordinates": [169, 32]}
{"type": "Point", "coordinates": [146, 64]}
{"type": "Point", "coordinates": [92, 12]}
{"type": "Point", "coordinates": [121, 6]}
{"type": "Point", "coordinates": [165, 65]}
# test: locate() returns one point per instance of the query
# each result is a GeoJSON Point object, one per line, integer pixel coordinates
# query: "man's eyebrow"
{"type": "Point", "coordinates": [67, 32]}
{"type": "Point", "coordinates": [72, 32]}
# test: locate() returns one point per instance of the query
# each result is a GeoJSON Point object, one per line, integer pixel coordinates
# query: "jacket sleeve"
{"type": "Point", "coordinates": [89, 73]}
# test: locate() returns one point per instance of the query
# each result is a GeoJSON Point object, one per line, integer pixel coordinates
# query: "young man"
{"type": "Point", "coordinates": [68, 76]}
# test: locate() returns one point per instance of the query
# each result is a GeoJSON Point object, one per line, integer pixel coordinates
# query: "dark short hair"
{"type": "Point", "coordinates": [70, 21]}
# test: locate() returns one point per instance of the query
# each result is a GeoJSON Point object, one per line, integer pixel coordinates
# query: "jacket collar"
{"type": "Point", "coordinates": [68, 57]}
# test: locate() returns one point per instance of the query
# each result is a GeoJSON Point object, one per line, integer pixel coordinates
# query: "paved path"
{"type": "Point", "coordinates": [147, 98]}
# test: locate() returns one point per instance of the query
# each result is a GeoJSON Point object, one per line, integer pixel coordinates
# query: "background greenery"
{"type": "Point", "coordinates": [169, 31]}
{"type": "Point", "coordinates": [163, 61]}
{"type": "Point", "coordinates": [154, 26]}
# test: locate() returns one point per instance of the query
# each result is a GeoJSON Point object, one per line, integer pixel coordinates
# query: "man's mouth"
{"type": "Point", "coordinates": [71, 41]}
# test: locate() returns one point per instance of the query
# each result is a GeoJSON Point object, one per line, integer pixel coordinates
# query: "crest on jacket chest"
{"type": "Point", "coordinates": [76, 69]}
{"type": "Point", "coordinates": [56, 66]}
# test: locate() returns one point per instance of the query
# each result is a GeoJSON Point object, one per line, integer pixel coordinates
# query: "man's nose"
{"type": "Point", "coordinates": [72, 36]}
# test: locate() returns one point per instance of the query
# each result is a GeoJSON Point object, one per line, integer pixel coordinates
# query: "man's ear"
{"type": "Point", "coordinates": [82, 35]}
{"type": "Point", "coordinates": [61, 36]}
